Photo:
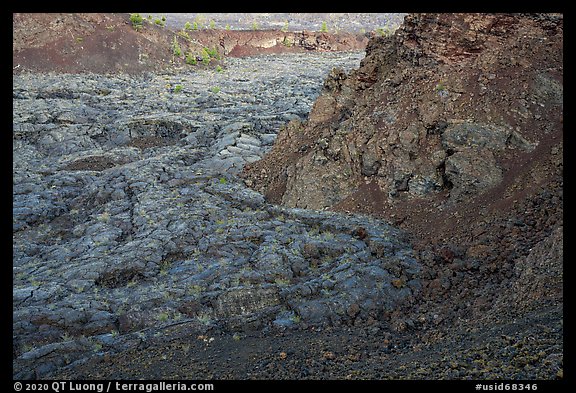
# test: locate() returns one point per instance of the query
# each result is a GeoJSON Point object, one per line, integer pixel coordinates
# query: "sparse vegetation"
{"type": "Point", "coordinates": [104, 217]}
{"type": "Point", "coordinates": [441, 89]}
{"type": "Point", "coordinates": [184, 34]}
{"type": "Point", "coordinates": [215, 89]}
{"type": "Point", "coordinates": [27, 347]}
{"type": "Point", "coordinates": [296, 318]}
{"type": "Point", "coordinates": [399, 283]}
{"type": "Point", "coordinates": [383, 31]}
{"type": "Point", "coordinates": [204, 318]}
{"type": "Point", "coordinates": [66, 337]}
{"type": "Point", "coordinates": [176, 48]}
{"type": "Point", "coordinates": [177, 88]}
{"type": "Point", "coordinates": [281, 282]}
{"type": "Point", "coordinates": [195, 290]}
{"type": "Point", "coordinates": [97, 347]}
{"type": "Point", "coordinates": [440, 86]}
{"type": "Point", "coordinates": [163, 317]}
{"type": "Point", "coordinates": [255, 26]}
{"type": "Point", "coordinates": [164, 267]}
{"type": "Point", "coordinates": [187, 26]}
{"type": "Point", "coordinates": [324, 28]}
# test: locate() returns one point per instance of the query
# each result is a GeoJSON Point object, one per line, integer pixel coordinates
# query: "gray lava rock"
{"type": "Point", "coordinates": [128, 216]}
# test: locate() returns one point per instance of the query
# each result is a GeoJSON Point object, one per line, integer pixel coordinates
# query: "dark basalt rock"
{"type": "Point", "coordinates": [145, 225]}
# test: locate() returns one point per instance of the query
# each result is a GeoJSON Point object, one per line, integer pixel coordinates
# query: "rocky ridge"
{"type": "Point", "coordinates": [433, 111]}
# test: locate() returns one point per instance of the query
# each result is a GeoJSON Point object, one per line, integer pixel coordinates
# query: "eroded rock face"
{"type": "Point", "coordinates": [246, 43]}
{"type": "Point", "coordinates": [438, 110]}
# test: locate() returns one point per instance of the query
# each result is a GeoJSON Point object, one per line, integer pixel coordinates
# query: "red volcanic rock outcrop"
{"type": "Point", "coordinates": [107, 43]}
{"type": "Point", "coordinates": [451, 129]}
{"type": "Point", "coordinates": [453, 108]}
{"type": "Point", "coordinates": [245, 43]}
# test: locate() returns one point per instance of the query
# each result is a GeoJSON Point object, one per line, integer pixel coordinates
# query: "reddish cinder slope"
{"type": "Point", "coordinates": [107, 43]}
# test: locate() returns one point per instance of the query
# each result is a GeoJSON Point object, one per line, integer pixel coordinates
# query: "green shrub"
{"type": "Point", "coordinates": [177, 88]}
{"type": "Point", "coordinates": [136, 21]}
{"type": "Point", "coordinates": [324, 28]}
{"type": "Point", "coordinates": [184, 34]}
{"type": "Point", "coordinates": [219, 69]}
{"type": "Point", "coordinates": [176, 48]}
{"type": "Point", "coordinates": [205, 56]}
{"type": "Point", "coordinates": [187, 26]}
{"type": "Point", "coordinates": [213, 53]}
{"type": "Point", "coordinates": [163, 317]}
{"type": "Point", "coordinates": [441, 89]}
{"type": "Point", "coordinates": [296, 318]}
{"type": "Point", "coordinates": [191, 59]}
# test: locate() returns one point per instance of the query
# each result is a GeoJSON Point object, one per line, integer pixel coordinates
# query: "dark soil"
{"type": "Point", "coordinates": [500, 351]}
{"type": "Point", "coordinates": [95, 163]}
